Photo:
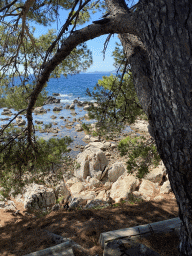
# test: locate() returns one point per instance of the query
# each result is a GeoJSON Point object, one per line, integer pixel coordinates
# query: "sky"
{"type": "Point", "coordinates": [95, 45]}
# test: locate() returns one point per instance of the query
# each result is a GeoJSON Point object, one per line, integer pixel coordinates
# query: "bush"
{"type": "Point", "coordinates": [139, 148]}
{"type": "Point", "coordinates": [85, 127]}
{"type": "Point", "coordinates": [19, 157]}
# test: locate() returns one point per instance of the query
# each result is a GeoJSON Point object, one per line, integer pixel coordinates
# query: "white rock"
{"type": "Point", "coordinates": [21, 122]}
{"type": "Point", "coordinates": [165, 188]}
{"type": "Point", "coordinates": [87, 137]}
{"type": "Point", "coordinates": [76, 188]}
{"type": "Point", "coordinates": [116, 171]}
{"type": "Point", "coordinates": [123, 187]}
{"type": "Point", "coordinates": [156, 175]}
{"type": "Point", "coordinates": [86, 116]}
{"type": "Point", "coordinates": [91, 161]}
{"type": "Point", "coordinates": [57, 108]}
{"type": "Point", "coordinates": [61, 190]}
{"type": "Point", "coordinates": [97, 175]}
{"type": "Point", "coordinates": [78, 128]}
{"type": "Point", "coordinates": [87, 195]}
{"type": "Point", "coordinates": [158, 198]}
{"type": "Point", "coordinates": [107, 144]}
{"type": "Point", "coordinates": [113, 145]}
{"type": "Point", "coordinates": [99, 145]}
{"type": "Point", "coordinates": [102, 195]}
{"type": "Point", "coordinates": [71, 181]}
{"type": "Point", "coordinates": [147, 188]}
{"type": "Point", "coordinates": [40, 110]}
{"type": "Point", "coordinates": [108, 185]}
{"type": "Point", "coordinates": [72, 106]}
{"type": "Point", "coordinates": [94, 139]}
{"type": "Point", "coordinates": [86, 107]}
{"type": "Point", "coordinates": [94, 181]}
{"type": "Point", "coordinates": [38, 196]}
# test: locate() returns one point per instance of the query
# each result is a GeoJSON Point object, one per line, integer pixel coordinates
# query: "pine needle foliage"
{"type": "Point", "coordinates": [141, 153]}
{"type": "Point", "coordinates": [19, 158]}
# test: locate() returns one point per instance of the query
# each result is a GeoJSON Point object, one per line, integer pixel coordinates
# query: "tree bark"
{"type": "Point", "coordinates": [162, 73]}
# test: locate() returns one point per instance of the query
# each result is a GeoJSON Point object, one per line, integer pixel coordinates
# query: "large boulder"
{"type": "Point", "coordinates": [157, 174]}
{"type": "Point", "coordinates": [40, 110]}
{"type": "Point", "coordinates": [78, 128]}
{"type": "Point", "coordinates": [148, 189]}
{"type": "Point", "coordinates": [91, 161]}
{"type": "Point", "coordinates": [86, 107]}
{"type": "Point", "coordinates": [94, 139]}
{"type": "Point", "coordinates": [87, 137]}
{"type": "Point", "coordinates": [124, 186]}
{"type": "Point", "coordinates": [76, 188]}
{"type": "Point", "coordinates": [72, 181]}
{"type": "Point", "coordinates": [96, 144]}
{"type": "Point", "coordinates": [102, 195]}
{"type": "Point", "coordinates": [116, 171]}
{"type": "Point", "coordinates": [166, 188]}
{"type": "Point", "coordinates": [38, 196]}
{"type": "Point", "coordinates": [61, 190]}
{"type": "Point", "coordinates": [72, 106]}
{"type": "Point", "coordinates": [57, 108]}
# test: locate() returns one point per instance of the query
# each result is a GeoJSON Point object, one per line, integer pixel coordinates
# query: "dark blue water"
{"type": "Point", "coordinates": [74, 86]}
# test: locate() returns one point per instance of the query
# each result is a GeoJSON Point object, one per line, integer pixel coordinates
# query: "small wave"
{"type": "Point", "coordinates": [65, 95]}
{"type": "Point", "coordinates": [66, 101]}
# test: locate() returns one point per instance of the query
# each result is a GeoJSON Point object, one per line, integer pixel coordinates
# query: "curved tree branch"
{"type": "Point", "coordinates": [122, 22]}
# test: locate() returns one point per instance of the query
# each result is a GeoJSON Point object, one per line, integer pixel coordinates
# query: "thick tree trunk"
{"type": "Point", "coordinates": [166, 33]}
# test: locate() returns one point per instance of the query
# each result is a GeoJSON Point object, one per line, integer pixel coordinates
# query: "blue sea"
{"type": "Point", "coordinates": [74, 86]}
{"type": "Point", "coordinates": [70, 88]}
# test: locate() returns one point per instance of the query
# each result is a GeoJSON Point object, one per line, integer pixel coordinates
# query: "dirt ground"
{"type": "Point", "coordinates": [22, 234]}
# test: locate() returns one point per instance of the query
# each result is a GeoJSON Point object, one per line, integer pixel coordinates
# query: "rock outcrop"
{"type": "Point", "coordinates": [51, 100]}
{"type": "Point", "coordinates": [95, 181]}
{"type": "Point", "coordinates": [91, 161]}
{"type": "Point", "coordinates": [6, 112]}
{"type": "Point", "coordinates": [20, 121]}
{"type": "Point", "coordinates": [40, 110]}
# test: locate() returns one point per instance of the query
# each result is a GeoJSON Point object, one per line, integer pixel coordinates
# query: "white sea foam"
{"type": "Point", "coordinates": [65, 95]}
{"type": "Point", "coordinates": [66, 101]}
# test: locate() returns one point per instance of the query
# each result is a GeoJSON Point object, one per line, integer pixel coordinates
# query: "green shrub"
{"type": "Point", "coordinates": [19, 157]}
{"type": "Point", "coordinates": [85, 127]}
{"type": "Point", "coordinates": [38, 127]}
{"type": "Point", "coordinates": [136, 148]}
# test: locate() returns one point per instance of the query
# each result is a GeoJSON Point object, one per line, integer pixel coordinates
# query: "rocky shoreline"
{"type": "Point", "coordinates": [97, 177]}
{"type": "Point", "coordinates": [53, 120]}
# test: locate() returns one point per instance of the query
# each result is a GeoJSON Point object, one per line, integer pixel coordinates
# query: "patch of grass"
{"type": "Point", "coordinates": [38, 127]}
{"type": "Point", "coordinates": [133, 200]}
{"type": "Point", "coordinates": [59, 199]}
